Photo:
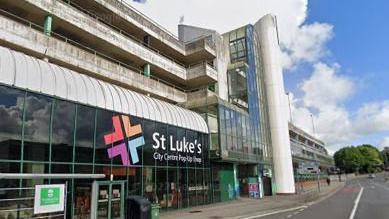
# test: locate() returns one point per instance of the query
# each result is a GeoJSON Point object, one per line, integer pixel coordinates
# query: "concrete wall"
{"type": "Point", "coordinates": [105, 33]}
{"type": "Point", "coordinates": [37, 43]}
{"type": "Point", "coordinates": [188, 33]}
{"type": "Point", "coordinates": [141, 21]}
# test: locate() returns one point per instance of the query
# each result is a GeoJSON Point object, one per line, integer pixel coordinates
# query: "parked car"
{"type": "Point", "coordinates": [371, 176]}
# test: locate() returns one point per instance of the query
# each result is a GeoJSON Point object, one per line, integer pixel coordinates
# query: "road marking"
{"type": "Point", "coordinates": [356, 204]}
{"type": "Point", "coordinates": [276, 212]}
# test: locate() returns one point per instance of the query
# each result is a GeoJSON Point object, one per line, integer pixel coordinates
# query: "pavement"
{"type": "Point", "coordinates": [245, 208]}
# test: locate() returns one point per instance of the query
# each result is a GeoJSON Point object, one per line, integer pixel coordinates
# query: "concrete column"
{"type": "Point", "coordinates": [146, 70]}
{"type": "Point", "coordinates": [48, 25]}
{"type": "Point", "coordinates": [266, 29]}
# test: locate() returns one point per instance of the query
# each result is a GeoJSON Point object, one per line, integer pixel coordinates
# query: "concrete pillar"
{"type": "Point", "coordinates": [48, 25]}
{"type": "Point", "coordinates": [146, 70]}
{"type": "Point", "coordinates": [266, 29]}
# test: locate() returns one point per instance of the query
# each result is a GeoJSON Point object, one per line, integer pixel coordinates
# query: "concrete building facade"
{"type": "Point", "coordinates": [309, 154]}
{"type": "Point", "coordinates": [100, 97]}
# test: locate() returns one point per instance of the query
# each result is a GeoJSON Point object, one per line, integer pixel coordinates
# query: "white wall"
{"type": "Point", "coordinates": [277, 104]}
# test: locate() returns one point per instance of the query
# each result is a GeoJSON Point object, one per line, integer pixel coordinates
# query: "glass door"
{"type": "Point", "coordinates": [109, 198]}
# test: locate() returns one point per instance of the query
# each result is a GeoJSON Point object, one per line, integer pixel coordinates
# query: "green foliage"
{"type": "Point", "coordinates": [363, 158]}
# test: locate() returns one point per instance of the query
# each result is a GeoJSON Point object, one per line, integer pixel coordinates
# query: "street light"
{"type": "Point", "coordinates": [313, 126]}
{"type": "Point", "coordinates": [290, 109]}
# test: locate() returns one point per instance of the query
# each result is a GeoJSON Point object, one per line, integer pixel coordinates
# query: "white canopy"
{"type": "Point", "coordinates": [26, 72]}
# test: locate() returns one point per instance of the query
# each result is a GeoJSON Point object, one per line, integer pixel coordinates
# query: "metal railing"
{"type": "Point", "coordinates": [88, 49]}
{"type": "Point", "coordinates": [125, 4]}
{"type": "Point", "coordinates": [120, 31]}
{"type": "Point", "coordinates": [19, 203]}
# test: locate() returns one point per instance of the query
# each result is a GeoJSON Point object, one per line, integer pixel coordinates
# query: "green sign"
{"type": "Point", "coordinates": [50, 196]}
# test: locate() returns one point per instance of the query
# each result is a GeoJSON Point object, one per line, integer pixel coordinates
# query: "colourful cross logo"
{"type": "Point", "coordinates": [118, 137]}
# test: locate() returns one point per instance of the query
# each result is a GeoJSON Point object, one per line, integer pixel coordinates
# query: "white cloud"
{"type": "Point", "coordinates": [384, 142]}
{"type": "Point", "coordinates": [307, 44]}
{"type": "Point", "coordinates": [325, 88]}
{"type": "Point", "coordinates": [324, 95]}
{"type": "Point", "coordinates": [372, 118]}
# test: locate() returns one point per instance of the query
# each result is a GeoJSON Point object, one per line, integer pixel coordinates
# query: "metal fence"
{"type": "Point", "coordinates": [18, 202]}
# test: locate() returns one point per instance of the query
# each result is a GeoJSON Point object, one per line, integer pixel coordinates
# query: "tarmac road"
{"type": "Point", "coordinates": [361, 198]}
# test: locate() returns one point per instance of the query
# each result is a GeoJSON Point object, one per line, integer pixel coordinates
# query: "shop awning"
{"type": "Point", "coordinates": [26, 72]}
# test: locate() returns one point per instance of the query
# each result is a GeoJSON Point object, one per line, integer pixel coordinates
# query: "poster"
{"type": "Point", "coordinates": [49, 198]}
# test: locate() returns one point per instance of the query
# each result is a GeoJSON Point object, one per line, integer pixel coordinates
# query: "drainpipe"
{"type": "Point", "coordinates": [146, 70]}
{"type": "Point", "coordinates": [48, 24]}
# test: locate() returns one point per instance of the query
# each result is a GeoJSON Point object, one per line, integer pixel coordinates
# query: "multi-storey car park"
{"type": "Point", "coordinates": [96, 95]}
{"type": "Point", "coordinates": [308, 153]}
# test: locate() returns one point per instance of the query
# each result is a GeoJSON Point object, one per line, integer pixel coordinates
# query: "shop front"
{"type": "Point", "coordinates": [141, 146]}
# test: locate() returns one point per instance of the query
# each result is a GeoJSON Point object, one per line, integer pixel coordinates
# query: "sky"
{"type": "Point", "coordinates": [334, 55]}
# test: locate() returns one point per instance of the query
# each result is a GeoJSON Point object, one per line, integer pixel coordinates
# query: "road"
{"type": "Point", "coordinates": [360, 199]}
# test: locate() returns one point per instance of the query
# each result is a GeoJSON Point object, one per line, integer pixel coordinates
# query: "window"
{"type": "Point", "coordinates": [103, 127]}
{"type": "Point", "coordinates": [238, 45]}
{"type": "Point", "coordinates": [85, 134]}
{"type": "Point", "coordinates": [148, 151]}
{"type": "Point", "coordinates": [11, 110]}
{"type": "Point", "coordinates": [172, 131]}
{"type": "Point", "coordinates": [37, 127]}
{"type": "Point", "coordinates": [63, 131]}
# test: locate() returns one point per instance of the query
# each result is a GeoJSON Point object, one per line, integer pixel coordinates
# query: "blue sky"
{"type": "Point", "coordinates": [360, 45]}
{"type": "Point", "coordinates": [361, 42]}
{"type": "Point", "coordinates": [334, 56]}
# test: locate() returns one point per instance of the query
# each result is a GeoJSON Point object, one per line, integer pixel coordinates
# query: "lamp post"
{"type": "Point", "coordinates": [290, 109]}
{"type": "Point", "coordinates": [313, 126]}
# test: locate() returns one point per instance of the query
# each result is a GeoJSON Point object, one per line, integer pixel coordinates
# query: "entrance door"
{"type": "Point", "coordinates": [108, 200]}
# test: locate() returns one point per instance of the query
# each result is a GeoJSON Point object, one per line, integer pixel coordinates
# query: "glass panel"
{"type": "Point", "coordinates": [183, 188]}
{"type": "Point", "coordinates": [199, 186]}
{"type": "Point", "coordinates": [34, 168]}
{"type": "Point", "coordinates": [103, 202]}
{"type": "Point", "coordinates": [149, 184]}
{"type": "Point", "coordinates": [148, 151]}
{"type": "Point", "coordinates": [171, 139]}
{"type": "Point", "coordinates": [83, 169]}
{"type": "Point", "coordinates": [207, 186]}
{"type": "Point", "coordinates": [103, 127]}
{"type": "Point", "coordinates": [134, 181]}
{"type": "Point", "coordinates": [85, 134]}
{"type": "Point", "coordinates": [135, 121]}
{"type": "Point", "coordinates": [11, 110]}
{"type": "Point", "coordinates": [82, 200]}
{"type": "Point", "coordinates": [161, 185]}
{"type": "Point", "coordinates": [162, 130]}
{"type": "Point", "coordinates": [37, 124]}
{"type": "Point", "coordinates": [61, 168]}
{"type": "Point", "coordinates": [173, 193]}
{"type": "Point", "coordinates": [192, 187]}
{"type": "Point", "coordinates": [116, 201]}
{"type": "Point", "coordinates": [63, 131]}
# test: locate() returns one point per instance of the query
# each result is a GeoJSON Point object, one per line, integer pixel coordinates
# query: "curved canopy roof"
{"type": "Point", "coordinates": [26, 72]}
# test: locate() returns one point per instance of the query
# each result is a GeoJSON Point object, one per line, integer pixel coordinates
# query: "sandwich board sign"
{"type": "Point", "coordinates": [49, 198]}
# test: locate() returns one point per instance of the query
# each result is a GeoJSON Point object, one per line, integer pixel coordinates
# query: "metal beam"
{"type": "Point", "coordinates": [50, 176]}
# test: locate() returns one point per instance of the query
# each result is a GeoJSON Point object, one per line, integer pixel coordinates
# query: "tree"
{"type": "Point", "coordinates": [372, 158]}
{"type": "Point", "coordinates": [349, 159]}
{"type": "Point", "coordinates": [363, 158]}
